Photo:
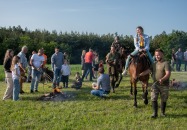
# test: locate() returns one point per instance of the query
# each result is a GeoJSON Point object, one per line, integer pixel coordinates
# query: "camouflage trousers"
{"type": "Point", "coordinates": [158, 89]}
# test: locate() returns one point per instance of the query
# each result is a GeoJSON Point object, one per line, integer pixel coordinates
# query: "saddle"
{"type": "Point", "coordinates": [141, 54]}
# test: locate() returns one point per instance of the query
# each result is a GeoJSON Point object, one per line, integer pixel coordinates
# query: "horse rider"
{"type": "Point", "coordinates": [141, 43]}
{"type": "Point", "coordinates": [112, 59]}
{"type": "Point", "coordinates": [116, 43]}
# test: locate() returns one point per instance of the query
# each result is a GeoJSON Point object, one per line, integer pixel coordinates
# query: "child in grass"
{"type": "Point", "coordinates": [15, 76]}
{"type": "Point", "coordinates": [78, 81]}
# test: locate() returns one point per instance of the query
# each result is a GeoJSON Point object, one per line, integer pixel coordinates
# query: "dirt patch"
{"type": "Point", "coordinates": [58, 96]}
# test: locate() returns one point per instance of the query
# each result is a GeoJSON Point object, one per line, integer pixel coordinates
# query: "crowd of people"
{"type": "Point", "coordinates": [178, 58]}
{"type": "Point", "coordinates": [16, 68]}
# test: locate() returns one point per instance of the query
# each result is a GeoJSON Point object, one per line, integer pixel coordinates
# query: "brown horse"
{"type": "Point", "coordinates": [115, 70]}
{"type": "Point", "coordinates": [139, 63]}
{"type": "Point", "coordinates": [121, 63]}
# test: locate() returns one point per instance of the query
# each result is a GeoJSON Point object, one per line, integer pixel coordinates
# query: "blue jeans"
{"type": "Point", "coordinates": [136, 52]}
{"type": "Point", "coordinates": [16, 89]}
{"type": "Point", "coordinates": [57, 77]}
{"type": "Point", "coordinates": [99, 92]}
{"type": "Point", "coordinates": [88, 66]}
{"type": "Point", "coordinates": [35, 79]}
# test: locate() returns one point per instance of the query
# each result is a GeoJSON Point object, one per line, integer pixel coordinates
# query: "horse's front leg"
{"type": "Point", "coordinates": [118, 79]}
{"type": "Point", "coordinates": [112, 83]}
{"type": "Point", "coordinates": [131, 89]}
{"type": "Point", "coordinates": [135, 93]}
{"type": "Point", "coordinates": [145, 93]}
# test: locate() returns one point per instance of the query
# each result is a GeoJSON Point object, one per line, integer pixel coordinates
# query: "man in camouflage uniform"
{"type": "Point", "coordinates": [161, 72]}
{"type": "Point", "coordinates": [112, 59]}
{"type": "Point", "coordinates": [116, 44]}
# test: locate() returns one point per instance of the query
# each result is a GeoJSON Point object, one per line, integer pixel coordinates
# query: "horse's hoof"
{"type": "Point", "coordinates": [143, 97]}
{"type": "Point", "coordinates": [145, 101]}
{"type": "Point", "coordinates": [135, 105]}
{"type": "Point", "coordinates": [117, 85]}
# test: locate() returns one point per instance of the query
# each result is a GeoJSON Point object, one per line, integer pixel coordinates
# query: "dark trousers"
{"type": "Point", "coordinates": [65, 80]}
{"type": "Point", "coordinates": [178, 64]}
{"type": "Point", "coordinates": [185, 64]}
{"type": "Point", "coordinates": [88, 66]}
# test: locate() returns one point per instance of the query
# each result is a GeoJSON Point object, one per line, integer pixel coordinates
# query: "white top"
{"type": "Point", "coordinates": [146, 42]}
{"type": "Point", "coordinates": [65, 69]}
{"type": "Point", "coordinates": [37, 60]}
{"type": "Point", "coordinates": [14, 75]}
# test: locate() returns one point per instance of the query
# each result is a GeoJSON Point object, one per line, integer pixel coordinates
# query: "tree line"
{"type": "Point", "coordinates": [74, 42]}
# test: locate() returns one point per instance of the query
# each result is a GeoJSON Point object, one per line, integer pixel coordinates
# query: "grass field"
{"type": "Point", "coordinates": [86, 112]}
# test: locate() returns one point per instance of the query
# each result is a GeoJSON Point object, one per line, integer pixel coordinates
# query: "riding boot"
{"type": "Point", "coordinates": [155, 109]}
{"type": "Point", "coordinates": [163, 108]}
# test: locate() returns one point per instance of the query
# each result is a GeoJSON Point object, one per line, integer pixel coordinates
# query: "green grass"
{"type": "Point", "coordinates": [86, 112]}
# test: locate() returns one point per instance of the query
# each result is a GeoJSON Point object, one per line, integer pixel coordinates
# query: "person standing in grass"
{"type": "Point", "coordinates": [83, 61]}
{"type": "Point", "coordinates": [65, 70]}
{"type": "Point", "coordinates": [179, 57]}
{"type": "Point", "coordinates": [57, 59]}
{"type": "Point", "coordinates": [36, 62]}
{"type": "Point", "coordinates": [96, 64]}
{"type": "Point", "coordinates": [23, 65]}
{"type": "Point", "coordinates": [29, 71]}
{"type": "Point", "coordinates": [161, 72]}
{"type": "Point", "coordinates": [185, 60]}
{"type": "Point", "coordinates": [173, 59]}
{"type": "Point", "coordinates": [15, 76]}
{"type": "Point", "coordinates": [8, 74]}
{"type": "Point", "coordinates": [102, 86]}
{"type": "Point", "coordinates": [89, 56]}
{"type": "Point", "coordinates": [45, 58]}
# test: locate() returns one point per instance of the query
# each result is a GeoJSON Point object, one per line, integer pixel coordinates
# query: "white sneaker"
{"type": "Point", "coordinates": [124, 73]}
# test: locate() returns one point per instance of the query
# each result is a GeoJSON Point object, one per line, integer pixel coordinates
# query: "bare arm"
{"type": "Point", "coordinates": [166, 76]}
{"type": "Point", "coordinates": [148, 71]}
{"type": "Point", "coordinates": [95, 88]}
{"type": "Point", "coordinates": [31, 62]}
{"type": "Point", "coordinates": [21, 67]}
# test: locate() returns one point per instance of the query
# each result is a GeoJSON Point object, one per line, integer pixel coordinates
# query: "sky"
{"type": "Point", "coordinates": [96, 16]}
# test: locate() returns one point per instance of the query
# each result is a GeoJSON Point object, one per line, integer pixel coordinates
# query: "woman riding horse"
{"type": "Point", "coordinates": [141, 43]}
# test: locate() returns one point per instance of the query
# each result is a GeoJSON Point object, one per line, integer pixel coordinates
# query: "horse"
{"type": "Point", "coordinates": [139, 63]}
{"type": "Point", "coordinates": [46, 75]}
{"type": "Point", "coordinates": [120, 66]}
{"type": "Point", "coordinates": [115, 68]}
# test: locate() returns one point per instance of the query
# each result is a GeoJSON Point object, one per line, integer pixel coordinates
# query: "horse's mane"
{"type": "Point", "coordinates": [145, 61]}
{"type": "Point", "coordinates": [141, 58]}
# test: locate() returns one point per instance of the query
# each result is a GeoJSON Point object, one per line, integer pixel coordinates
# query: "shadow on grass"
{"type": "Point", "coordinates": [176, 115]}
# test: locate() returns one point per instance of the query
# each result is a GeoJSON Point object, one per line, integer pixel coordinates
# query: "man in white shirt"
{"type": "Point", "coordinates": [36, 63]}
